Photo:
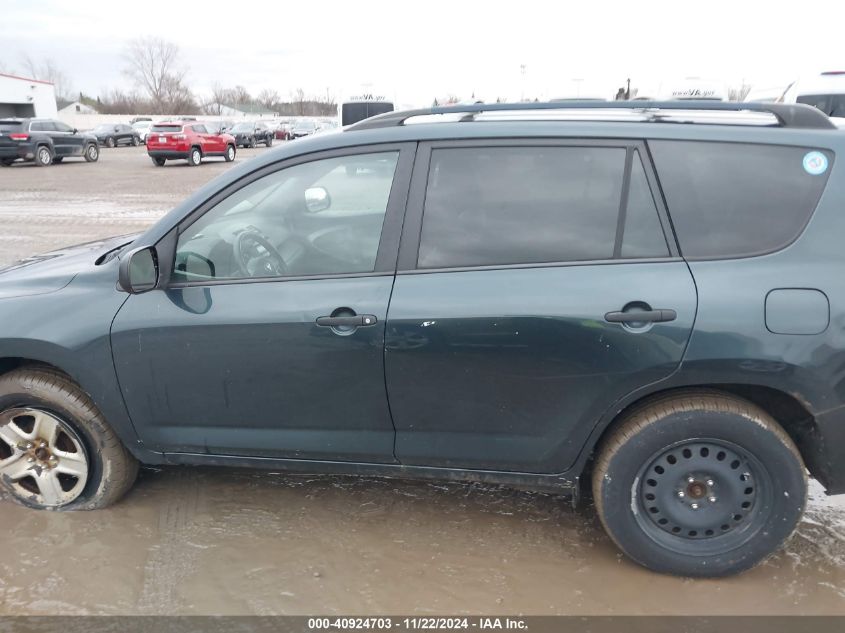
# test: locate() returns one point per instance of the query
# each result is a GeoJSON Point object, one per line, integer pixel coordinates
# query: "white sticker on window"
{"type": "Point", "coordinates": [815, 163]}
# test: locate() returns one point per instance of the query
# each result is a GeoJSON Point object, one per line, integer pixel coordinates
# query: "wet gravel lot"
{"type": "Point", "coordinates": [225, 541]}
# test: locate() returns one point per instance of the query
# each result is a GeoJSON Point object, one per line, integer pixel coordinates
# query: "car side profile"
{"type": "Point", "coordinates": [44, 142]}
{"type": "Point", "coordinates": [187, 140]}
{"type": "Point", "coordinates": [112, 135]}
{"type": "Point", "coordinates": [637, 300]}
{"type": "Point", "coordinates": [251, 133]}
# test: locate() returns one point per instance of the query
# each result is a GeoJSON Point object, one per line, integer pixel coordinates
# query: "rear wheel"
{"type": "Point", "coordinates": [43, 156]}
{"type": "Point", "coordinates": [269, 141]}
{"type": "Point", "coordinates": [92, 153]}
{"type": "Point", "coordinates": [158, 162]}
{"type": "Point", "coordinates": [110, 142]}
{"type": "Point", "coordinates": [230, 153]}
{"type": "Point", "coordinates": [195, 157]}
{"type": "Point", "coordinates": [135, 141]}
{"type": "Point", "coordinates": [6, 162]}
{"type": "Point", "coordinates": [56, 450]}
{"type": "Point", "coordinates": [699, 484]}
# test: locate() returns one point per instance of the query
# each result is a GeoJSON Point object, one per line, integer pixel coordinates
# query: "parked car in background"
{"type": "Point", "coordinates": [142, 128]}
{"type": "Point", "coordinates": [251, 133]}
{"type": "Point", "coordinates": [188, 140]}
{"type": "Point", "coordinates": [218, 126]}
{"type": "Point", "coordinates": [303, 127]}
{"type": "Point", "coordinates": [114, 134]}
{"type": "Point", "coordinates": [283, 132]}
{"type": "Point", "coordinates": [651, 305]}
{"type": "Point", "coordinates": [825, 92]}
{"type": "Point", "coordinates": [44, 141]}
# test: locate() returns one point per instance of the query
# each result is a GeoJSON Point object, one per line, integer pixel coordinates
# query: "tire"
{"type": "Point", "coordinates": [195, 157]}
{"type": "Point", "coordinates": [230, 154]}
{"type": "Point", "coordinates": [110, 142]}
{"type": "Point", "coordinates": [7, 162]}
{"type": "Point", "coordinates": [31, 400]}
{"type": "Point", "coordinates": [269, 141]}
{"type": "Point", "coordinates": [57, 159]}
{"type": "Point", "coordinates": [135, 141]}
{"type": "Point", "coordinates": [699, 483]}
{"type": "Point", "coordinates": [43, 156]}
{"type": "Point", "coordinates": [158, 162]}
{"type": "Point", "coordinates": [92, 153]}
{"type": "Point", "coordinates": [252, 143]}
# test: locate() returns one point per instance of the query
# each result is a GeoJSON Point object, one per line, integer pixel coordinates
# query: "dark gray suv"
{"type": "Point", "coordinates": [44, 142]}
{"type": "Point", "coordinates": [646, 298]}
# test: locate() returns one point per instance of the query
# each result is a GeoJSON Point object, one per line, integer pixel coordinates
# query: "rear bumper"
{"type": "Point", "coordinates": [168, 153]}
{"type": "Point", "coordinates": [25, 151]}
{"type": "Point", "coordinates": [823, 449]}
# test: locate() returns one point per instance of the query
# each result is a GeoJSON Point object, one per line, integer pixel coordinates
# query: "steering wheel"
{"type": "Point", "coordinates": [257, 257]}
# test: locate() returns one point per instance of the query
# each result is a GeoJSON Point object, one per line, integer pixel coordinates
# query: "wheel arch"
{"type": "Point", "coordinates": [793, 415]}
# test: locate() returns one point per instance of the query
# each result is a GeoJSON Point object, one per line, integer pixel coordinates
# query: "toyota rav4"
{"type": "Point", "coordinates": [646, 298]}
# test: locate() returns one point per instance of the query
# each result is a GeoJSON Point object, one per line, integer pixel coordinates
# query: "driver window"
{"type": "Point", "coordinates": [318, 218]}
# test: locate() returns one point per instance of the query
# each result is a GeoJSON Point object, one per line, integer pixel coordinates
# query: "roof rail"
{"type": "Point", "coordinates": [788, 115]}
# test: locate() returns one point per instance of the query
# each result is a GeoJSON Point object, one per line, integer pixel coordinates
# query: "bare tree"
{"type": "Point", "coordinates": [269, 98]}
{"type": "Point", "coordinates": [49, 70]}
{"type": "Point", "coordinates": [154, 64]}
{"type": "Point", "coordinates": [298, 99]}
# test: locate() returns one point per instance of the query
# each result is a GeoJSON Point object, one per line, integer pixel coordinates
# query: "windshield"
{"type": "Point", "coordinates": [104, 128]}
{"type": "Point", "coordinates": [830, 104]}
{"type": "Point", "coordinates": [242, 127]}
{"type": "Point", "coordinates": [10, 125]}
{"type": "Point", "coordinates": [142, 124]}
{"type": "Point", "coordinates": [305, 125]}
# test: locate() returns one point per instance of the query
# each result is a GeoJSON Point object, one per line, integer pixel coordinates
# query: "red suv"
{"type": "Point", "coordinates": [190, 140]}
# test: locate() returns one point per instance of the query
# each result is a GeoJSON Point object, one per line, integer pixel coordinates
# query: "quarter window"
{"type": "Point", "coordinates": [735, 200]}
{"type": "Point", "coordinates": [319, 218]}
{"type": "Point", "coordinates": [518, 205]}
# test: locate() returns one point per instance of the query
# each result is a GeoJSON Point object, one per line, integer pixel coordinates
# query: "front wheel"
{"type": "Point", "coordinates": [110, 142]}
{"type": "Point", "coordinates": [56, 450]}
{"type": "Point", "coordinates": [92, 153]}
{"type": "Point", "coordinates": [699, 484]}
{"type": "Point", "coordinates": [230, 153]}
{"type": "Point", "coordinates": [158, 162]}
{"type": "Point", "coordinates": [269, 141]}
{"type": "Point", "coordinates": [135, 141]}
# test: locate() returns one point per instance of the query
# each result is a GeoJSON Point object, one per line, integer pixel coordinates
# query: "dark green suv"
{"type": "Point", "coordinates": [642, 296]}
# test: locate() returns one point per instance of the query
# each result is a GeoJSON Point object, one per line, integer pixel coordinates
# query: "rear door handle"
{"type": "Point", "coordinates": [642, 316]}
{"type": "Point", "coordinates": [358, 320]}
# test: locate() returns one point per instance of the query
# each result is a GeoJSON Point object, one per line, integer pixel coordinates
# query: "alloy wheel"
{"type": "Point", "coordinates": [42, 459]}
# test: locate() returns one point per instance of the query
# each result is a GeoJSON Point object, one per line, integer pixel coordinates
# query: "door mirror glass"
{"type": "Point", "coordinates": [317, 199]}
{"type": "Point", "coordinates": [139, 271]}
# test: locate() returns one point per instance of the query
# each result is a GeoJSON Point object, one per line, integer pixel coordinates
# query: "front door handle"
{"type": "Point", "coordinates": [357, 320]}
{"type": "Point", "coordinates": [641, 316]}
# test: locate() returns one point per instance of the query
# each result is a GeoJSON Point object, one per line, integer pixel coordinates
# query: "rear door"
{"type": "Point", "coordinates": [536, 286]}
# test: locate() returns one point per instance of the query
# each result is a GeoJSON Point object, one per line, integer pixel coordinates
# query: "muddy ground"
{"type": "Point", "coordinates": [223, 541]}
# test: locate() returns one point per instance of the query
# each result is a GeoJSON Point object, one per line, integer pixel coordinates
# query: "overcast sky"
{"type": "Point", "coordinates": [416, 51]}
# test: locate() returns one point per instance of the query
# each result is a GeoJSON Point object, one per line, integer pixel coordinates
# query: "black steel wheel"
{"type": "Point", "coordinates": [699, 484]}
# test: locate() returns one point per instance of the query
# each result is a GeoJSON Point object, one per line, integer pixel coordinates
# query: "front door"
{"type": "Point", "coordinates": [541, 289]}
{"type": "Point", "coordinates": [269, 340]}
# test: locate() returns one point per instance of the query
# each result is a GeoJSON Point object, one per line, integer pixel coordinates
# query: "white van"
{"type": "Point", "coordinates": [362, 106]}
{"type": "Point", "coordinates": [825, 91]}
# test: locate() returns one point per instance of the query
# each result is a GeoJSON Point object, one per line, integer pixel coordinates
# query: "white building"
{"type": "Point", "coordinates": [22, 97]}
{"type": "Point", "coordinates": [243, 111]}
{"type": "Point", "coordinates": [75, 107]}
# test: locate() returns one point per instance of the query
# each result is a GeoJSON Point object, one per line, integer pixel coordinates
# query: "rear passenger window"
{"type": "Point", "coordinates": [735, 200]}
{"type": "Point", "coordinates": [515, 205]}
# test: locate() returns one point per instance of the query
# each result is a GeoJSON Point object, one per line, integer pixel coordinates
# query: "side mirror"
{"type": "Point", "coordinates": [75, 131]}
{"type": "Point", "coordinates": [139, 270]}
{"type": "Point", "coordinates": [317, 199]}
